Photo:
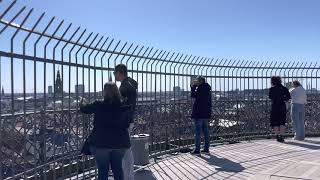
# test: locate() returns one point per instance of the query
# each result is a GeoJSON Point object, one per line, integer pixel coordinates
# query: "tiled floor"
{"type": "Point", "coordinates": [261, 159]}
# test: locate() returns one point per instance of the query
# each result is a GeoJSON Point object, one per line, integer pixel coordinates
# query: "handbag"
{"type": "Point", "coordinates": [85, 150]}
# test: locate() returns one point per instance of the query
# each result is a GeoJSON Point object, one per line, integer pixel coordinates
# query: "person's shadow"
{"type": "Point", "coordinates": [312, 141]}
{"type": "Point", "coordinates": [313, 145]}
{"type": "Point", "coordinates": [144, 175]}
{"type": "Point", "coordinates": [223, 164]}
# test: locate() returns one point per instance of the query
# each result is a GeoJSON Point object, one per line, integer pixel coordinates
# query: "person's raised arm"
{"type": "Point", "coordinates": [287, 95]}
{"type": "Point", "coordinates": [87, 108]}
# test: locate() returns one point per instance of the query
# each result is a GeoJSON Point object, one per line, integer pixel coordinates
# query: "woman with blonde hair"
{"type": "Point", "coordinates": [109, 138]}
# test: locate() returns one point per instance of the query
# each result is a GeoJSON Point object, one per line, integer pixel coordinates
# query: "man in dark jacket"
{"type": "Point", "coordinates": [201, 112]}
{"type": "Point", "coordinates": [128, 91]}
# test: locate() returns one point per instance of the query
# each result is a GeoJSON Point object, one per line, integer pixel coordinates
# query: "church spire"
{"type": "Point", "coordinates": [58, 85]}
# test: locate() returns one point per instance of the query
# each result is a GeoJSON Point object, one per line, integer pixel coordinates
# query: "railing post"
{"type": "Point", "coordinates": [42, 143]}
{"type": "Point", "coordinates": [42, 135]}
{"type": "Point", "coordinates": [1, 128]}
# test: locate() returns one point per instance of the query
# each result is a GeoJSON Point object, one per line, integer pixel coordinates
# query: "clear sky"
{"type": "Point", "coordinates": [234, 29]}
{"type": "Point", "coordinates": [240, 29]}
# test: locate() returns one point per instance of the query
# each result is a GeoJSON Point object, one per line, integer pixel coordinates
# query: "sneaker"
{"type": "Point", "coordinates": [294, 138]}
{"type": "Point", "coordinates": [297, 139]}
{"type": "Point", "coordinates": [195, 152]}
{"type": "Point", "coordinates": [205, 151]}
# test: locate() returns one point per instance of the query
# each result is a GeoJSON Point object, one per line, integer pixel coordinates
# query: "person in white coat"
{"type": "Point", "coordinates": [298, 102]}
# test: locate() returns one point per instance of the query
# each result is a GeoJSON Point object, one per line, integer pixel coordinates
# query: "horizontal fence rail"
{"type": "Point", "coordinates": [46, 65]}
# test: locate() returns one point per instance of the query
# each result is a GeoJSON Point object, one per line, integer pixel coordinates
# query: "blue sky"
{"type": "Point", "coordinates": [286, 30]}
{"type": "Point", "coordinates": [239, 29]}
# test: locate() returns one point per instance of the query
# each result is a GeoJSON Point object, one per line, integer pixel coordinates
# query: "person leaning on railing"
{"type": "Point", "coordinates": [298, 101]}
{"type": "Point", "coordinates": [279, 95]}
{"type": "Point", "coordinates": [128, 91]}
{"type": "Point", "coordinates": [109, 139]}
{"type": "Point", "coordinates": [201, 112]}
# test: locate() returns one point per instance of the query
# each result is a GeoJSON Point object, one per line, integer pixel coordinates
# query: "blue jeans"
{"type": "Point", "coordinates": [297, 116]}
{"type": "Point", "coordinates": [201, 125]}
{"type": "Point", "coordinates": [104, 157]}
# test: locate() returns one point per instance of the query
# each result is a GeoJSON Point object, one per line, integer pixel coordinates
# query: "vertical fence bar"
{"type": "Point", "coordinates": [24, 87]}
{"type": "Point", "coordinates": [260, 95]}
{"type": "Point", "coordinates": [182, 105]}
{"type": "Point", "coordinates": [108, 61]}
{"type": "Point", "coordinates": [113, 51]}
{"type": "Point", "coordinates": [153, 102]}
{"type": "Point", "coordinates": [77, 95]}
{"type": "Point", "coordinates": [1, 123]}
{"type": "Point", "coordinates": [54, 90]}
{"type": "Point", "coordinates": [118, 54]}
{"type": "Point", "coordinates": [85, 123]}
{"type": "Point", "coordinates": [101, 63]}
{"type": "Point", "coordinates": [12, 74]}
{"type": "Point", "coordinates": [166, 138]}
{"type": "Point", "coordinates": [175, 114]}
{"type": "Point", "coordinates": [44, 109]}
{"type": "Point", "coordinates": [166, 54]}
{"type": "Point", "coordinates": [101, 66]}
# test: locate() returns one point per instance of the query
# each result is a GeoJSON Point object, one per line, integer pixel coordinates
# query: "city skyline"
{"type": "Point", "coordinates": [296, 44]}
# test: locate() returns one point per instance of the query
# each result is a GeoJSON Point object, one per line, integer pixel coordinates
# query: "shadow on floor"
{"type": "Point", "coordinates": [223, 164]}
{"type": "Point", "coordinates": [305, 145]}
{"type": "Point", "coordinates": [312, 141]}
{"type": "Point", "coordinates": [144, 175]}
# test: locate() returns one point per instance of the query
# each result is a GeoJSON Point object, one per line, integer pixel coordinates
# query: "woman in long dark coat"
{"type": "Point", "coordinates": [279, 95]}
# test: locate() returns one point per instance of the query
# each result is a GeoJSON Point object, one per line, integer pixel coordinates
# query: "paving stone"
{"type": "Point", "coordinates": [255, 160]}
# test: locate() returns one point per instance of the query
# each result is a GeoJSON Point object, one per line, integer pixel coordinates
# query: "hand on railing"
{"type": "Point", "coordinates": [83, 101]}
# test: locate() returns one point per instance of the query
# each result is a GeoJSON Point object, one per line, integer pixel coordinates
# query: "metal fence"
{"type": "Point", "coordinates": [46, 65]}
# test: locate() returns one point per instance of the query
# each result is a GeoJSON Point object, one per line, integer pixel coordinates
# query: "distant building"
{"type": "Point", "coordinates": [58, 91]}
{"type": "Point", "coordinates": [146, 100]}
{"type": "Point", "coordinates": [50, 90]}
{"type": "Point", "coordinates": [79, 89]}
{"type": "Point", "coordinates": [2, 92]}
